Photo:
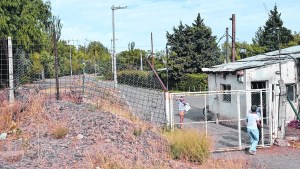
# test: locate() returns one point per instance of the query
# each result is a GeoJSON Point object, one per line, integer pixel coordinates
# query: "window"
{"type": "Point", "coordinates": [226, 90]}
{"type": "Point", "coordinates": [290, 91]}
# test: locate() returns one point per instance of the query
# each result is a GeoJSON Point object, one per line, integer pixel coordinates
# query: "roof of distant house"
{"type": "Point", "coordinates": [291, 53]}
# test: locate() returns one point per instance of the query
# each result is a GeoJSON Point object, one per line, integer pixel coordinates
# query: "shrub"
{"type": "Point", "coordinates": [137, 132]}
{"type": "Point", "coordinates": [60, 131]}
{"type": "Point", "coordinates": [193, 82]}
{"type": "Point", "coordinates": [100, 160]}
{"type": "Point", "coordinates": [189, 145]}
{"type": "Point", "coordinates": [137, 78]}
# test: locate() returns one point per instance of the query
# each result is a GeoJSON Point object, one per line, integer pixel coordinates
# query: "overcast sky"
{"type": "Point", "coordinates": [91, 20]}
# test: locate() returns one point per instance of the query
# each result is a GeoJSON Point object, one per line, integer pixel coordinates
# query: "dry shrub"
{"type": "Point", "coordinates": [8, 114]}
{"type": "Point", "coordinates": [114, 107]}
{"type": "Point", "coordinates": [35, 108]}
{"type": "Point", "coordinates": [102, 161]}
{"type": "Point", "coordinates": [189, 144]}
{"type": "Point", "coordinates": [59, 130]}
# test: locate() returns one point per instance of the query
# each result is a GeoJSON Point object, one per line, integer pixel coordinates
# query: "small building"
{"type": "Point", "coordinates": [257, 72]}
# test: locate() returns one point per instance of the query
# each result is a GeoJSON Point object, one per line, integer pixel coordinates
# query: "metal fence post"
{"type": "Point", "coordinates": [271, 115]}
{"type": "Point", "coordinates": [171, 111]}
{"type": "Point", "coordinates": [11, 71]}
{"type": "Point", "coordinates": [167, 107]}
{"type": "Point", "coordinates": [262, 117]}
{"type": "Point", "coordinates": [206, 124]}
{"type": "Point", "coordinates": [239, 118]}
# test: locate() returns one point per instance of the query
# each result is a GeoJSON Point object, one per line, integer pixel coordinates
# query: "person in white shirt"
{"type": "Point", "coordinates": [252, 130]}
{"type": "Point", "coordinates": [181, 106]}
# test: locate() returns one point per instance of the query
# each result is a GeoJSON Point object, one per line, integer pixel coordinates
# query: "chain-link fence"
{"type": "Point", "coordinates": [3, 70]}
{"type": "Point", "coordinates": [85, 78]}
{"type": "Point", "coordinates": [222, 116]}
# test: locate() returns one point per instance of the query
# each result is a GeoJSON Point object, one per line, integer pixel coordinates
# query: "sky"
{"type": "Point", "coordinates": [91, 20]}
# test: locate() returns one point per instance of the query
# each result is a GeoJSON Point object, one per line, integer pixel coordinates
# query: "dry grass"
{"type": "Point", "coordinates": [8, 115]}
{"type": "Point", "coordinates": [52, 90]}
{"type": "Point", "coordinates": [189, 144]}
{"type": "Point", "coordinates": [35, 108]}
{"type": "Point", "coordinates": [59, 130]}
{"type": "Point", "coordinates": [102, 161]}
{"type": "Point", "coordinates": [295, 144]}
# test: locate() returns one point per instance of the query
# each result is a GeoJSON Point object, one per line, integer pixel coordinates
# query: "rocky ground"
{"type": "Point", "coordinates": [94, 139]}
{"type": "Point", "coordinates": [64, 134]}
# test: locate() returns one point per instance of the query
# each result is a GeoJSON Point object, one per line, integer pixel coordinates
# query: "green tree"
{"type": "Point", "coordinates": [295, 41]}
{"type": "Point", "coordinates": [130, 60]}
{"type": "Point", "coordinates": [47, 60]}
{"type": "Point", "coordinates": [243, 50]}
{"type": "Point", "coordinates": [37, 66]}
{"type": "Point", "coordinates": [267, 36]}
{"type": "Point", "coordinates": [25, 20]}
{"type": "Point", "coordinates": [192, 48]}
{"type": "Point", "coordinates": [98, 57]}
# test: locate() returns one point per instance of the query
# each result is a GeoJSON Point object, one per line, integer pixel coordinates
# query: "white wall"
{"type": "Point", "coordinates": [217, 105]}
{"type": "Point", "coordinates": [264, 73]}
{"type": "Point", "coordinates": [288, 75]}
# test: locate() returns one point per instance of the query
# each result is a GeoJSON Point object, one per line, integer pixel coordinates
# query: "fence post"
{"type": "Point", "coordinates": [171, 110]}
{"type": "Point", "coordinates": [262, 119]}
{"type": "Point", "coordinates": [11, 71]}
{"type": "Point", "coordinates": [271, 115]}
{"type": "Point", "coordinates": [239, 119]}
{"type": "Point", "coordinates": [205, 110]}
{"type": "Point", "coordinates": [167, 108]}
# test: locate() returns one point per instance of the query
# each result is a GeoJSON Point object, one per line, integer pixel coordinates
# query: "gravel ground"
{"type": "Point", "coordinates": [273, 158]}
{"type": "Point", "coordinates": [95, 139]}
{"type": "Point", "coordinates": [102, 139]}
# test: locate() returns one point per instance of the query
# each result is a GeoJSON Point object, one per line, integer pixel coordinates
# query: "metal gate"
{"type": "Point", "coordinates": [222, 116]}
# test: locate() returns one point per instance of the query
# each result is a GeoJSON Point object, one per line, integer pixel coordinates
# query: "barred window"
{"type": "Point", "coordinates": [290, 91]}
{"type": "Point", "coordinates": [226, 90]}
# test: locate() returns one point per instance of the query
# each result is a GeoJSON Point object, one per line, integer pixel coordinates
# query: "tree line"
{"type": "Point", "coordinates": [189, 47]}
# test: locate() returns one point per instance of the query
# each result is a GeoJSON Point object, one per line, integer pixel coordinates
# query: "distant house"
{"type": "Point", "coordinates": [257, 72]}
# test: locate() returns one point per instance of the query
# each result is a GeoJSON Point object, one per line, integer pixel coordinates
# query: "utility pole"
{"type": "Point", "coordinates": [233, 37]}
{"type": "Point", "coordinates": [282, 95]}
{"type": "Point", "coordinates": [112, 58]}
{"type": "Point", "coordinates": [113, 8]}
{"type": "Point", "coordinates": [227, 56]}
{"type": "Point", "coordinates": [71, 68]}
{"type": "Point", "coordinates": [152, 50]}
{"type": "Point", "coordinates": [167, 55]}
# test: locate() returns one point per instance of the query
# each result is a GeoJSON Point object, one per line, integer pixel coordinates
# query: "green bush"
{"type": "Point", "coordinates": [136, 78]}
{"type": "Point", "coordinates": [193, 82]}
{"type": "Point", "coordinates": [189, 145]}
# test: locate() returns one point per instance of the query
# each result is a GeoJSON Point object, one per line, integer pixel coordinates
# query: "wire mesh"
{"type": "Point", "coordinates": [85, 78]}
{"type": "Point", "coordinates": [222, 120]}
{"type": "Point", "coordinates": [3, 70]}
{"type": "Point", "coordinates": [137, 91]}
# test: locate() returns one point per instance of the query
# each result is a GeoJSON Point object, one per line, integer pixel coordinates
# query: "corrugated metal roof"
{"type": "Point", "coordinates": [258, 60]}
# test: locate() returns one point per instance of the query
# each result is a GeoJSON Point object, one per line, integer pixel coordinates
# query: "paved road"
{"type": "Point", "coordinates": [225, 134]}
{"type": "Point", "coordinates": [146, 103]}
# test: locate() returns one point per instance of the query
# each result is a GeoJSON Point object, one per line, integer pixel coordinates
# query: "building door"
{"type": "Point", "coordinates": [256, 99]}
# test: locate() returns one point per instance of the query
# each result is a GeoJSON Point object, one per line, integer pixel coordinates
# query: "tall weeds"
{"type": "Point", "coordinates": [189, 145]}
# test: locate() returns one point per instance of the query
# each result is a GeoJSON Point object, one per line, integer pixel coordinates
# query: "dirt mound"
{"type": "Point", "coordinates": [92, 139]}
